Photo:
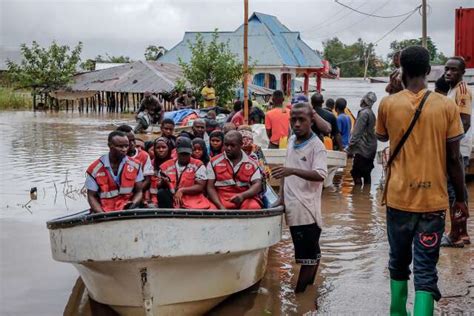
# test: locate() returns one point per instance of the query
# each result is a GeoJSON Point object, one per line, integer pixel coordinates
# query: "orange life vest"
{"type": "Point", "coordinates": [113, 196]}
{"type": "Point", "coordinates": [186, 179]}
{"type": "Point", "coordinates": [229, 183]}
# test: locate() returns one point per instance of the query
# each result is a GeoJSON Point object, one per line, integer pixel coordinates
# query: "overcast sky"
{"type": "Point", "coordinates": [126, 27]}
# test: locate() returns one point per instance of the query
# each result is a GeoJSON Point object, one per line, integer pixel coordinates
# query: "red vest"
{"type": "Point", "coordinates": [153, 191]}
{"type": "Point", "coordinates": [141, 157]}
{"type": "Point", "coordinates": [186, 179]}
{"type": "Point", "coordinates": [228, 183]}
{"type": "Point", "coordinates": [114, 197]}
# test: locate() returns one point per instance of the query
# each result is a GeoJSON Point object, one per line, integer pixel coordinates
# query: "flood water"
{"type": "Point", "coordinates": [50, 151]}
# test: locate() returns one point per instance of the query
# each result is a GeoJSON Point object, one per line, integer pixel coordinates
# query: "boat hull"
{"type": "Point", "coordinates": [168, 265]}
{"type": "Point", "coordinates": [335, 160]}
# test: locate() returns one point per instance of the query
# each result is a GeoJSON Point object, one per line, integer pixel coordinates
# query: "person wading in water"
{"type": "Point", "coordinates": [462, 95]}
{"type": "Point", "coordinates": [300, 191]}
{"type": "Point", "coordinates": [425, 129]}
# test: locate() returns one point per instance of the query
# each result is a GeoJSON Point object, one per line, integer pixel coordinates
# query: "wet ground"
{"type": "Point", "coordinates": [51, 151]}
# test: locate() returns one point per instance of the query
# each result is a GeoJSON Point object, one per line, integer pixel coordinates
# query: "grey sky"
{"type": "Point", "coordinates": [126, 27]}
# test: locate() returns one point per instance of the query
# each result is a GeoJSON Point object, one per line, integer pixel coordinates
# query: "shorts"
{"type": "Point", "coordinates": [306, 242]}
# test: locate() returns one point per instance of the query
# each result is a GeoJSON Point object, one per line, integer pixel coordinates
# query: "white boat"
{"type": "Point", "coordinates": [335, 160]}
{"type": "Point", "coordinates": [166, 262]}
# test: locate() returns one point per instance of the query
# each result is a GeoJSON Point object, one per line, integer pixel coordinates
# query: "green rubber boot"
{"type": "Point", "coordinates": [424, 304]}
{"type": "Point", "coordinates": [399, 294]}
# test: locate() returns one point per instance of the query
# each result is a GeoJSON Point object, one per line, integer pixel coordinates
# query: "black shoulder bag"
{"type": "Point", "coordinates": [402, 141]}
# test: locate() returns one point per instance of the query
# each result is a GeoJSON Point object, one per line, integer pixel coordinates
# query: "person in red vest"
{"type": "Point", "coordinates": [234, 179]}
{"type": "Point", "coordinates": [114, 181]}
{"type": "Point", "coordinates": [162, 153]}
{"type": "Point", "coordinates": [183, 180]}
{"type": "Point", "coordinates": [138, 155]}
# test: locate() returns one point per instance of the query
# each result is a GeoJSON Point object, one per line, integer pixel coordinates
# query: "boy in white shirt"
{"type": "Point", "coordinates": [302, 181]}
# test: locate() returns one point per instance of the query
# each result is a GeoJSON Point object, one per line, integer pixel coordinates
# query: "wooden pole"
{"type": "Point", "coordinates": [424, 37]}
{"type": "Point", "coordinates": [34, 99]}
{"type": "Point", "coordinates": [246, 61]}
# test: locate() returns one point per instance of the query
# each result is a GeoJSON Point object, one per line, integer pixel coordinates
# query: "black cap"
{"type": "Point", "coordinates": [184, 145]}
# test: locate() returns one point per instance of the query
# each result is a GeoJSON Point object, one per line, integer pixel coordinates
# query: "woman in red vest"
{"type": "Point", "coordinates": [183, 180]}
{"type": "Point", "coordinates": [114, 182]}
{"type": "Point", "coordinates": [162, 153]}
{"type": "Point", "coordinates": [234, 179]}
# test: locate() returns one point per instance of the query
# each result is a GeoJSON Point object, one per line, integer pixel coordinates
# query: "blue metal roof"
{"type": "Point", "coordinates": [270, 43]}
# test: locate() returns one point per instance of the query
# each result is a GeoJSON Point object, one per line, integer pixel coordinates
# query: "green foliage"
{"type": "Point", "coordinates": [351, 58]}
{"type": "Point", "coordinates": [153, 52]}
{"type": "Point", "coordinates": [46, 68]}
{"type": "Point", "coordinates": [113, 59]}
{"type": "Point", "coordinates": [14, 100]}
{"type": "Point", "coordinates": [437, 58]}
{"type": "Point", "coordinates": [88, 65]}
{"type": "Point", "coordinates": [180, 85]}
{"type": "Point", "coordinates": [213, 61]}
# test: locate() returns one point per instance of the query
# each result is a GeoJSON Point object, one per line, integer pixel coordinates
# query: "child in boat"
{"type": "Point", "coordinates": [216, 143]}
{"type": "Point", "coordinates": [200, 150]}
{"type": "Point", "coordinates": [167, 130]}
{"type": "Point", "coordinates": [234, 179]}
{"type": "Point", "coordinates": [300, 191]}
{"type": "Point", "coordinates": [183, 180]}
{"type": "Point", "coordinates": [161, 153]}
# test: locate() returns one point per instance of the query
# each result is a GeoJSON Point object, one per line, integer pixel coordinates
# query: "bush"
{"type": "Point", "coordinates": [15, 100]}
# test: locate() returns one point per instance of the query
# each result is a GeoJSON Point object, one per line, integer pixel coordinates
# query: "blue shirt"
{"type": "Point", "coordinates": [92, 185]}
{"type": "Point", "coordinates": [344, 126]}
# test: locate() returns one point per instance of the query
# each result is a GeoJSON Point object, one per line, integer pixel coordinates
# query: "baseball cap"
{"type": "Point", "coordinates": [184, 145]}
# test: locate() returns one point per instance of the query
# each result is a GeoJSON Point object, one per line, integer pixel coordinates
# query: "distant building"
{"type": "Point", "coordinates": [280, 54]}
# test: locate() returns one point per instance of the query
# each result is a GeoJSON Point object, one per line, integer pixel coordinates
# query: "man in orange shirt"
{"type": "Point", "coordinates": [277, 120]}
{"type": "Point", "coordinates": [416, 188]}
{"type": "Point", "coordinates": [460, 93]}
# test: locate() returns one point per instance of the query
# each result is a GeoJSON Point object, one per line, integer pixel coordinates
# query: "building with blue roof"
{"type": "Point", "coordinates": [279, 55]}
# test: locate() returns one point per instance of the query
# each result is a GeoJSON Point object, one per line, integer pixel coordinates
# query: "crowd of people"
{"type": "Point", "coordinates": [219, 167]}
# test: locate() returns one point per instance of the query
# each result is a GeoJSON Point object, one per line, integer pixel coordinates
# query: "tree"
{"type": "Point", "coordinates": [45, 68]}
{"type": "Point", "coordinates": [437, 58]}
{"type": "Point", "coordinates": [113, 59]}
{"type": "Point", "coordinates": [213, 61]}
{"type": "Point", "coordinates": [88, 65]}
{"type": "Point", "coordinates": [153, 52]}
{"type": "Point", "coordinates": [351, 58]}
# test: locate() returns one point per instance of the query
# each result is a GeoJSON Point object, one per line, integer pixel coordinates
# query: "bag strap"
{"type": "Point", "coordinates": [401, 143]}
{"type": "Point", "coordinates": [404, 138]}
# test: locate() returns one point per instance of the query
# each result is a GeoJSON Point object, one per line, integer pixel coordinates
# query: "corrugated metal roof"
{"type": "Point", "coordinates": [270, 43]}
{"type": "Point", "coordinates": [136, 77]}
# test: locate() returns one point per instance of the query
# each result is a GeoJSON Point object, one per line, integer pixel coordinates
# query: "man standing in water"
{"type": "Point", "coordinates": [363, 143]}
{"type": "Point", "coordinates": [114, 182]}
{"type": "Point", "coordinates": [300, 191]}
{"type": "Point", "coordinates": [317, 102]}
{"type": "Point", "coordinates": [462, 96]}
{"type": "Point", "coordinates": [416, 191]}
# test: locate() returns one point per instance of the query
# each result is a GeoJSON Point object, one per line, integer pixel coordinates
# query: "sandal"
{"type": "Point", "coordinates": [446, 241]}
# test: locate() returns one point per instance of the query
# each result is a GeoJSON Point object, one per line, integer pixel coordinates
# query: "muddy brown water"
{"type": "Point", "coordinates": [50, 151]}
